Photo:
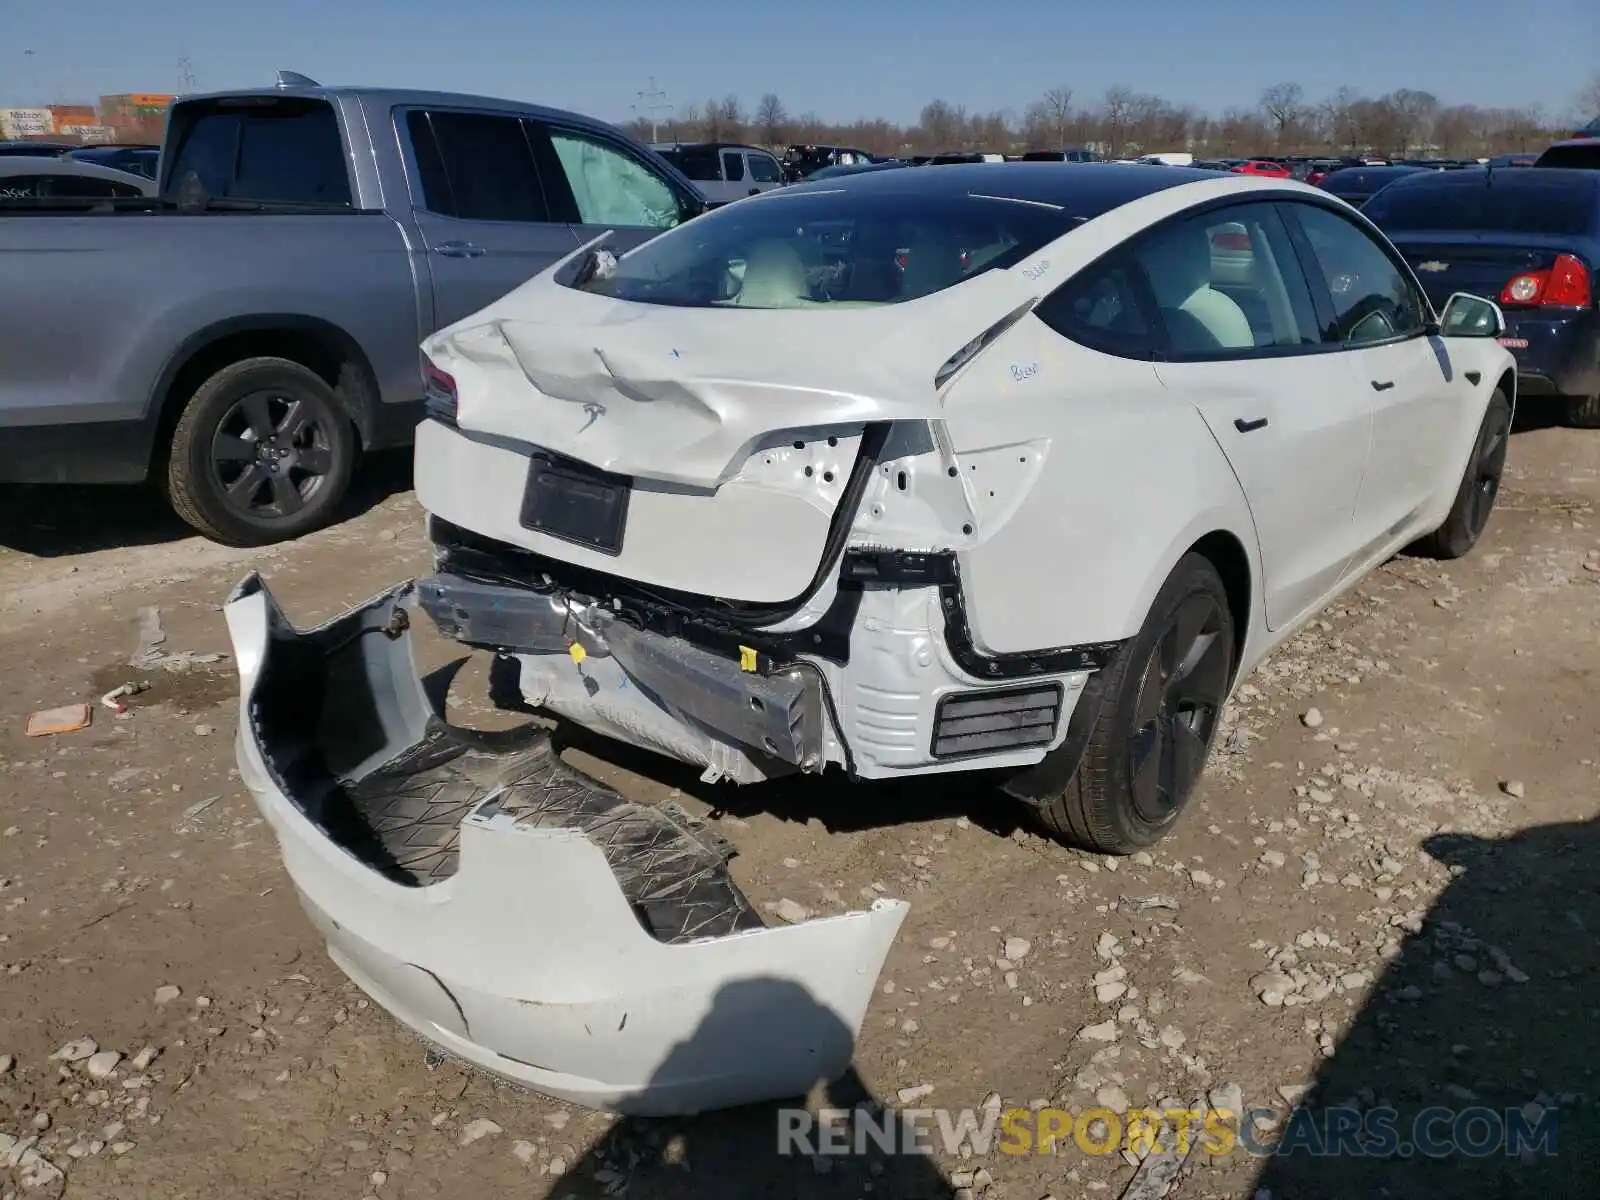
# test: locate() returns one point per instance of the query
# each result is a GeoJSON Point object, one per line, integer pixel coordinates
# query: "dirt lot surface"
{"type": "Point", "coordinates": [1386, 890]}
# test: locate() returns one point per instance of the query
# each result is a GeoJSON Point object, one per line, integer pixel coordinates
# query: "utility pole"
{"type": "Point", "coordinates": [186, 79]}
{"type": "Point", "coordinates": [651, 102]}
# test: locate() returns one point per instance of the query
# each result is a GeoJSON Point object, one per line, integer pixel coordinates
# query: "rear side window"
{"type": "Point", "coordinates": [1102, 309]}
{"type": "Point", "coordinates": [1579, 155]}
{"type": "Point", "coordinates": [21, 187]}
{"type": "Point", "coordinates": [732, 165]}
{"type": "Point", "coordinates": [83, 186]}
{"type": "Point", "coordinates": [697, 163]}
{"type": "Point", "coordinates": [476, 166]}
{"type": "Point", "coordinates": [764, 169]}
{"type": "Point", "coordinates": [1523, 203]}
{"type": "Point", "coordinates": [286, 152]}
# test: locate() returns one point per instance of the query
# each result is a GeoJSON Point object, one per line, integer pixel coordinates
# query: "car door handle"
{"type": "Point", "coordinates": [1382, 386]}
{"type": "Point", "coordinates": [1244, 426]}
{"type": "Point", "coordinates": [755, 191]}
{"type": "Point", "coordinates": [459, 250]}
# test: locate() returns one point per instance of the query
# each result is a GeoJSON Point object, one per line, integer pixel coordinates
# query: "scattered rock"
{"type": "Point", "coordinates": [167, 993]}
{"type": "Point", "coordinates": [1173, 1038]}
{"type": "Point", "coordinates": [477, 1130]}
{"type": "Point", "coordinates": [75, 1051]}
{"type": "Point", "coordinates": [1109, 993]}
{"type": "Point", "coordinates": [1105, 1031]}
{"type": "Point", "coordinates": [524, 1152]}
{"type": "Point", "coordinates": [142, 1060]}
{"type": "Point", "coordinates": [1201, 878]}
{"type": "Point", "coordinates": [7, 1061]}
{"type": "Point", "coordinates": [1514, 788]}
{"type": "Point", "coordinates": [1112, 1097]}
{"type": "Point", "coordinates": [910, 1095]}
{"type": "Point", "coordinates": [1294, 1093]}
{"type": "Point", "coordinates": [103, 1064]}
{"type": "Point", "coordinates": [1273, 859]}
{"type": "Point", "coordinates": [1017, 949]}
{"type": "Point", "coordinates": [1311, 718]}
{"type": "Point", "coordinates": [791, 912]}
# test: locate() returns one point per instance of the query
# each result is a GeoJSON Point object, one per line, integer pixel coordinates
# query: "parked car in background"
{"type": "Point", "coordinates": [1264, 167]}
{"type": "Point", "coordinates": [1079, 155]}
{"type": "Point", "coordinates": [800, 161]}
{"type": "Point", "coordinates": [25, 178]}
{"type": "Point", "coordinates": [1575, 152]}
{"type": "Point", "coordinates": [1512, 160]}
{"type": "Point", "coordinates": [139, 160]}
{"type": "Point", "coordinates": [1529, 238]}
{"type": "Point", "coordinates": [1357, 185]}
{"type": "Point", "coordinates": [724, 171]}
{"type": "Point", "coordinates": [242, 336]}
{"type": "Point", "coordinates": [953, 157]}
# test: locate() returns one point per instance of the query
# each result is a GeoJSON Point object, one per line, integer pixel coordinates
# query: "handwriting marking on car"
{"type": "Point", "coordinates": [1433, 265]}
{"type": "Point", "coordinates": [1022, 371]}
{"type": "Point", "coordinates": [1035, 271]}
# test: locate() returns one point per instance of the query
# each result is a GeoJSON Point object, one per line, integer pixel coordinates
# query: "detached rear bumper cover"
{"type": "Point", "coordinates": [517, 913]}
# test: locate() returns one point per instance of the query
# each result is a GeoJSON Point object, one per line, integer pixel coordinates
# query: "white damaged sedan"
{"type": "Point", "coordinates": [1018, 467]}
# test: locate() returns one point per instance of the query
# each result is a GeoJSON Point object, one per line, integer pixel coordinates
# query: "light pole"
{"type": "Point", "coordinates": [650, 103]}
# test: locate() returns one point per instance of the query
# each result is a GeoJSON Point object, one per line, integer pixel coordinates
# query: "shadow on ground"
{"type": "Point", "coordinates": [52, 521]}
{"type": "Point", "coordinates": [1481, 1039]}
{"type": "Point", "coordinates": [840, 805]}
{"type": "Point", "coordinates": [1539, 412]}
{"type": "Point", "coordinates": [739, 1153]}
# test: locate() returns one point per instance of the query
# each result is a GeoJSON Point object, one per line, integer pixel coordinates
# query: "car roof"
{"type": "Point", "coordinates": [1575, 178]}
{"type": "Point", "coordinates": [1083, 189]}
{"type": "Point", "coordinates": [658, 147]}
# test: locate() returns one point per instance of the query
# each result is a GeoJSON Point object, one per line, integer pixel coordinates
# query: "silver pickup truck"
{"type": "Point", "coordinates": [242, 336]}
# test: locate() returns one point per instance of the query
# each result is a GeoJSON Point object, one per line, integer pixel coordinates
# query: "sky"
{"type": "Point", "coordinates": [842, 59]}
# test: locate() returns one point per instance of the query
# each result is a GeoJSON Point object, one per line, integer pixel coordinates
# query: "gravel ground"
{"type": "Point", "coordinates": [1380, 899]}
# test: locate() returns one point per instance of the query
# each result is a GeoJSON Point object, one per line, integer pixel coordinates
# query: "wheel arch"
{"type": "Point", "coordinates": [1223, 549]}
{"type": "Point", "coordinates": [316, 344]}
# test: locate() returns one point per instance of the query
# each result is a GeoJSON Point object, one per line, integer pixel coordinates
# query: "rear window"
{"type": "Point", "coordinates": [697, 162]}
{"type": "Point", "coordinates": [828, 249]}
{"type": "Point", "coordinates": [284, 151]}
{"type": "Point", "coordinates": [1508, 204]}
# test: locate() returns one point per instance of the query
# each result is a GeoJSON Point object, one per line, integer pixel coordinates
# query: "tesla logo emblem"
{"type": "Point", "coordinates": [1433, 266]}
{"type": "Point", "coordinates": [594, 412]}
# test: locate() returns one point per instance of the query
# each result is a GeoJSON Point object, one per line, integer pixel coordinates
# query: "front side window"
{"type": "Point", "coordinates": [764, 168]}
{"type": "Point", "coordinates": [831, 248]}
{"type": "Point", "coordinates": [85, 187]}
{"type": "Point", "coordinates": [1227, 284]}
{"type": "Point", "coordinates": [614, 188]}
{"type": "Point", "coordinates": [21, 187]}
{"type": "Point", "coordinates": [1372, 298]}
{"type": "Point", "coordinates": [732, 165]}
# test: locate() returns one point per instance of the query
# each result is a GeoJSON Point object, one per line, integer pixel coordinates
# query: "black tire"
{"type": "Point", "coordinates": [1480, 484]}
{"type": "Point", "coordinates": [1583, 412]}
{"type": "Point", "coordinates": [1159, 703]}
{"type": "Point", "coordinates": [263, 452]}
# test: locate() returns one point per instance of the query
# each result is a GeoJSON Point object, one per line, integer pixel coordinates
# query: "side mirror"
{"type": "Point", "coordinates": [1466, 315]}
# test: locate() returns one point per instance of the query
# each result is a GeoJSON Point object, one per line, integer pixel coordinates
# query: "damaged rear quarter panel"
{"type": "Point", "coordinates": [1131, 479]}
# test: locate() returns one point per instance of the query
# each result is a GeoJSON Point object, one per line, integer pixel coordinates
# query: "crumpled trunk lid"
{"type": "Point", "coordinates": [733, 432]}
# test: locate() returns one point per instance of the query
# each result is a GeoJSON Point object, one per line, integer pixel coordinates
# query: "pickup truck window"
{"type": "Point", "coordinates": [764, 168]}
{"type": "Point", "coordinates": [614, 188]}
{"type": "Point", "coordinates": [287, 152]}
{"type": "Point", "coordinates": [476, 167]}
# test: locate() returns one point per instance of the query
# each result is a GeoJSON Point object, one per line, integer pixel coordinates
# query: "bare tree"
{"type": "Point", "coordinates": [1416, 112]}
{"type": "Point", "coordinates": [770, 120]}
{"type": "Point", "coordinates": [1058, 107]}
{"type": "Point", "coordinates": [1282, 104]}
{"type": "Point", "coordinates": [941, 123]}
{"type": "Point", "coordinates": [685, 125]}
{"type": "Point", "coordinates": [1337, 121]}
{"type": "Point", "coordinates": [1117, 113]}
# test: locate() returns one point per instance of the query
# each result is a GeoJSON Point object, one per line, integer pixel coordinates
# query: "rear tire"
{"type": "Point", "coordinates": [263, 452]}
{"type": "Point", "coordinates": [1161, 701]}
{"type": "Point", "coordinates": [1480, 485]}
{"type": "Point", "coordinates": [1583, 412]}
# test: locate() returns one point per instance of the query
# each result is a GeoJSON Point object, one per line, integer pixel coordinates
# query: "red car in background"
{"type": "Point", "coordinates": [1261, 166]}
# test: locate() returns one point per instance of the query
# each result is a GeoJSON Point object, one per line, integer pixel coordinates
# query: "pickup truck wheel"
{"type": "Point", "coordinates": [1162, 698]}
{"type": "Point", "coordinates": [1583, 412]}
{"type": "Point", "coordinates": [262, 452]}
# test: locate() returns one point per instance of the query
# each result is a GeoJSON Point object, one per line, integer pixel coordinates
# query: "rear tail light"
{"type": "Point", "coordinates": [438, 393]}
{"type": "Point", "coordinates": [1566, 284]}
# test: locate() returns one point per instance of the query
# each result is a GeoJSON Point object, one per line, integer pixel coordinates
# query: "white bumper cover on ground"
{"type": "Point", "coordinates": [517, 913]}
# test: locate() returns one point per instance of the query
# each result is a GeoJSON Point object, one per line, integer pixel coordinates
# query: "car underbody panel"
{"type": "Point", "coordinates": [519, 914]}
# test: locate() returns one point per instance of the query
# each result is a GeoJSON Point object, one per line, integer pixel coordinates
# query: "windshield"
{"type": "Point", "coordinates": [1530, 205]}
{"type": "Point", "coordinates": [831, 248]}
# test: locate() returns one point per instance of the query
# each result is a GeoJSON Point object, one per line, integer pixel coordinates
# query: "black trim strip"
{"type": "Point", "coordinates": [908, 568]}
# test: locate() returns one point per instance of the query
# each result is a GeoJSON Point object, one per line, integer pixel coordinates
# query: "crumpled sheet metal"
{"type": "Point", "coordinates": [662, 392]}
{"type": "Point", "coordinates": [530, 959]}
